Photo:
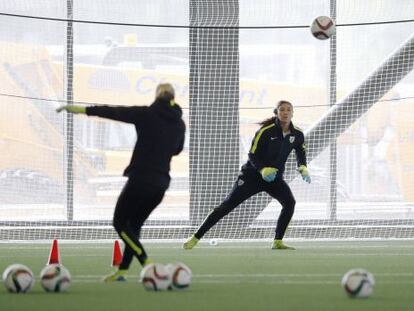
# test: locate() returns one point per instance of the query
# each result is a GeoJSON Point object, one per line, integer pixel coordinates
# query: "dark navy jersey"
{"type": "Point", "coordinates": [160, 132]}
{"type": "Point", "coordinates": [270, 149]}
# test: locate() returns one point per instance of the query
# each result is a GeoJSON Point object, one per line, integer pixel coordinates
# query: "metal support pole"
{"type": "Point", "coordinates": [333, 155]}
{"type": "Point", "coordinates": [68, 154]}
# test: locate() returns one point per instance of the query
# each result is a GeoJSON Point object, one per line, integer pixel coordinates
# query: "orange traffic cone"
{"type": "Point", "coordinates": [116, 254]}
{"type": "Point", "coordinates": [54, 253]}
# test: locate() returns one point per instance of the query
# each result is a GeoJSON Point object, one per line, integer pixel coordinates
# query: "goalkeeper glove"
{"type": "Point", "coordinates": [303, 170]}
{"type": "Point", "coordinates": [72, 109]}
{"type": "Point", "coordinates": [268, 173]}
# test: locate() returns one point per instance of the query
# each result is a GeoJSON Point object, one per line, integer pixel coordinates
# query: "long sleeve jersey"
{"type": "Point", "coordinates": [270, 149]}
{"type": "Point", "coordinates": [160, 136]}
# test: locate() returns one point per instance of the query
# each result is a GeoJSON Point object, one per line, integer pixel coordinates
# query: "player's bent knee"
{"type": "Point", "coordinates": [290, 204]}
{"type": "Point", "coordinates": [289, 207]}
{"type": "Point", "coordinates": [223, 209]}
{"type": "Point", "coordinates": [119, 225]}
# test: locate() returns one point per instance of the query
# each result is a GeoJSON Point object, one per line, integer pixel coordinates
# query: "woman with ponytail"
{"type": "Point", "coordinates": [269, 151]}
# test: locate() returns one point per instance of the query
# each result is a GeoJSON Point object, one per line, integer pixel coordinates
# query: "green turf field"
{"type": "Point", "coordinates": [230, 276]}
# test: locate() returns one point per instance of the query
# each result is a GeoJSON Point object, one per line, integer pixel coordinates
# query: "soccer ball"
{"type": "Point", "coordinates": [155, 277]}
{"type": "Point", "coordinates": [180, 275]}
{"type": "Point", "coordinates": [55, 278]}
{"type": "Point", "coordinates": [18, 278]}
{"type": "Point", "coordinates": [358, 283]}
{"type": "Point", "coordinates": [323, 27]}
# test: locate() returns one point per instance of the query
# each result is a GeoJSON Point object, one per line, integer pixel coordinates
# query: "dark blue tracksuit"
{"type": "Point", "coordinates": [269, 149]}
{"type": "Point", "coordinates": [160, 131]}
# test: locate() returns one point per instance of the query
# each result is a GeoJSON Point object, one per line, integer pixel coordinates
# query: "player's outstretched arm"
{"type": "Point", "coordinates": [72, 109]}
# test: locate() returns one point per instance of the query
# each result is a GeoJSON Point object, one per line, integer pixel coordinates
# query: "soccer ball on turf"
{"type": "Point", "coordinates": [323, 27]}
{"type": "Point", "coordinates": [55, 278]}
{"type": "Point", "coordinates": [180, 275]}
{"type": "Point", "coordinates": [358, 283]}
{"type": "Point", "coordinates": [18, 278]}
{"type": "Point", "coordinates": [155, 277]}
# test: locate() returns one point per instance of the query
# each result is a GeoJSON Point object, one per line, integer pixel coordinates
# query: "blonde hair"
{"type": "Point", "coordinates": [164, 91]}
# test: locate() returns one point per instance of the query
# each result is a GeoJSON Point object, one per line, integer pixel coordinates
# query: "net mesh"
{"type": "Point", "coordinates": [230, 62]}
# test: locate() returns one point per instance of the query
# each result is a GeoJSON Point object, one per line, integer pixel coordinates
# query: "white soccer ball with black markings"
{"type": "Point", "coordinates": [323, 27]}
{"type": "Point", "coordinates": [180, 276]}
{"type": "Point", "coordinates": [18, 278]}
{"type": "Point", "coordinates": [55, 278]}
{"type": "Point", "coordinates": [155, 277]}
{"type": "Point", "coordinates": [358, 283]}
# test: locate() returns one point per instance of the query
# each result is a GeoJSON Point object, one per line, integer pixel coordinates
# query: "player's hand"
{"type": "Point", "coordinates": [268, 173]}
{"type": "Point", "coordinates": [72, 109]}
{"type": "Point", "coordinates": [303, 170]}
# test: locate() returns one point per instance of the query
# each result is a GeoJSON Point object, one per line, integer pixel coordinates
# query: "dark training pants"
{"type": "Point", "coordinates": [247, 185]}
{"type": "Point", "coordinates": [135, 203]}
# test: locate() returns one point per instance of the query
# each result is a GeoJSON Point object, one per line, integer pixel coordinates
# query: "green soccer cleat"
{"type": "Point", "coordinates": [191, 242]}
{"type": "Point", "coordinates": [278, 244]}
{"type": "Point", "coordinates": [118, 276]}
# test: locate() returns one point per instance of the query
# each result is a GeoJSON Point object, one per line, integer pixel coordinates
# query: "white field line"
{"type": "Point", "coordinates": [264, 275]}
{"type": "Point", "coordinates": [225, 245]}
{"type": "Point", "coordinates": [276, 253]}
{"type": "Point", "coordinates": [255, 255]}
{"type": "Point", "coordinates": [319, 254]}
{"type": "Point", "coordinates": [222, 245]}
{"type": "Point", "coordinates": [299, 279]}
{"type": "Point", "coordinates": [273, 281]}
{"type": "Point", "coordinates": [298, 282]}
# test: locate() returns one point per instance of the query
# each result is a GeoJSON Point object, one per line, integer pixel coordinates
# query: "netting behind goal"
{"type": "Point", "coordinates": [230, 62]}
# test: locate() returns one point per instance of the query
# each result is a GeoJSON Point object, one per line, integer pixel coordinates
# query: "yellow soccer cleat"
{"type": "Point", "coordinates": [278, 244]}
{"type": "Point", "coordinates": [118, 276]}
{"type": "Point", "coordinates": [191, 242]}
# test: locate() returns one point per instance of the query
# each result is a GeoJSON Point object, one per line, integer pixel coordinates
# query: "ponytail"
{"type": "Point", "coordinates": [273, 119]}
{"type": "Point", "coordinates": [268, 121]}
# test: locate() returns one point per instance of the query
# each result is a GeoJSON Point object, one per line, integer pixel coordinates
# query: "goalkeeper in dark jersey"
{"type": "Point", "coordinates": [263, 171]}
{"type": "Point", "coordinates": [160, 131]}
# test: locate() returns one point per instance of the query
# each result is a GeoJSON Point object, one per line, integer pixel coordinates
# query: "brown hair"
{"type": "Point", "coordinates": [271, 120]}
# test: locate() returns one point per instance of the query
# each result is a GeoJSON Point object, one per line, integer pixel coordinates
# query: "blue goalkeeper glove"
{"type": "Point", "coordinates": [303, 170]}
{"type": "Point", "coordinates": [268, 173]}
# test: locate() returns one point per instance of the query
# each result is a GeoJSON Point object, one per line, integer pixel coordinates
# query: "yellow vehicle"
{"type": "Point", "coordinates": [32, 134]}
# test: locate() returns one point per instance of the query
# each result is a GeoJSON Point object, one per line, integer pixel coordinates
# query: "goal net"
{"type": "Point", "coordinates": [230, 62]}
